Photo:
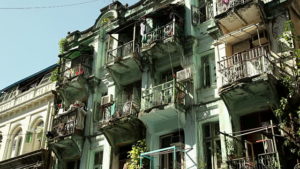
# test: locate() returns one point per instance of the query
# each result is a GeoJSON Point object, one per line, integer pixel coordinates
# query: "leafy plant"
{"type": "Point", "coordinates": [63, 43]}
{"type": "Point", "coordinates": [134, 154]}
{"type": "Point", "coordinates": [288, 112]}
{"type": "Point", "coordinates": [54, 75]}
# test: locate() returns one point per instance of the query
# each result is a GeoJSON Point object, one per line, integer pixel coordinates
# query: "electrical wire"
{"type": "Point", "coordinates": [47, 7]}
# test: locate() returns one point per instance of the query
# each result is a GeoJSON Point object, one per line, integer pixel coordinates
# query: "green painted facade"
{"type": "Point", "coordinates": [187, 74]}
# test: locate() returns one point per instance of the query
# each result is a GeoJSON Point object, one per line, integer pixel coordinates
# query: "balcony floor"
{"type": "Point", "coordinates": [68, 148]}
{"type": "Point", "coordinates": [170, 116]}
{"type": "Point", "coordinates": [250, 94]}
{"type": "Point", "coordinates": [239, 17]}
{"type": "Point", "coordinates": [163, 48]}
{"type": "Point", "coordinates": [123, 131]}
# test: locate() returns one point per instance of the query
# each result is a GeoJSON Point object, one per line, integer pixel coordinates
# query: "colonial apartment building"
{"type": "Point", "coordinates": [198, 80]}
{"type": "Point", "coordinates": [25, 116]}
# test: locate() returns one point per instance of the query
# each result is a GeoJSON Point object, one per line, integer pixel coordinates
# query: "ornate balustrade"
{"type": "Point", "coordinates": [245, 64]}
{"type": "Point", "coordinates": [160, 34]}
{"type": "Point", "coordinates": [69, 123]}
{"type": "Point", "coordinates": [120, 52]}
{"type": "Point", "coordinates": [73, 72]}
{"type": "Point", "coordinates": [171, 92]}
{"type": "Point", "coordinates": [26, 96]}
{"type": "Point", "coordinates": [225, 5]}
{"type": "Point", "coordinates": [118, 111]}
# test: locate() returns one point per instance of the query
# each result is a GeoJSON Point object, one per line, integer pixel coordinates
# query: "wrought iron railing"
{"type": "Point", "coordinates": [238, 163]}
{"type": "Point", "coordinates": [120, 52]}
{"type": "Point", "coordinates": [66, 124]}
{"type": "Point", "coordinates": [160, 34]}
{"type": "Point", "coordinates": [164, 94]}
{"type": "Point", "coordinates": [225, 5]}
{"type": "Point", "coordinates": [73, 72]}
{"type": "Point", "coordinates": [248, 63]}
{"type": "Point", "coordinates": [267, 160]}
{"type": "Point", "coordinates": [263, 161]}
{"type": "Point", "coordinates": [118, 111]}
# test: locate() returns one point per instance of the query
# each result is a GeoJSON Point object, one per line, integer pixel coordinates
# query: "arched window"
{"type": "Point", "coordinates": [16, 143]}
{"type": "Point", "coordinates": [38, 135]}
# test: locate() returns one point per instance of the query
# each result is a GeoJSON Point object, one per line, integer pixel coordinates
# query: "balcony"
{"type": "Point", "coordinates": [73, 83]}
{"type": "Point", "coordinates": [164, 102]}
{"type": "Point", "coordinates": [27, 97]}
{"type": "Point", "coordinates": [120, 123]}
{"type": "Point", "coordinates": [162, 39]}
{"type": "Point", "coordinates": [234, 14]}
{"type": "Point", "coordinates": [122, 52]}
{"type": "Point", "coordinates": [169, 93]}
{"type": "Point", "coordinates": [37, 159]}
{"type": "Point", "coordinates": [248, 75]}
{"type": "Point", "coordinates": [124, 60]}
{"type": "Point", "coordinates": [66, 134]}
{"type": "Point", "coordinates": [70, 74]}
{"type": "Point", "coordinates": [245, 64]}
{"type": "Point", "coordinates": [265, 160]}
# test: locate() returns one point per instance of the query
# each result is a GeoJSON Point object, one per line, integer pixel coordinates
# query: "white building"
{"type": "Point", "coordinates": [25, 112]}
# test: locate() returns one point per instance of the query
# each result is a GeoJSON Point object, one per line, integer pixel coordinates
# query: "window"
{"type": "Point", "coordinates": [212, 145]}
{"type": "Point", "coordinates": [98, 160]}
{"type": "Point", "coordinates": [208, 71]}
{"type": "Point", "coordinates": [15, 145]}
{"type": "Point", "coordinates": [38, 135]}
{"type": "Point", "coordinates": [166, 160]}
{"type": "Point", "coordinates": [206, 10]}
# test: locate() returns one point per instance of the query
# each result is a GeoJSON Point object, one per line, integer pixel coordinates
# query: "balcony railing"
{"type": "Point", "coordinates": [266, 160]}
{"type": "Point", "coordinates": [225, 5]}
{"type": "Point", "coordinates": [164, 94]}
{"type": "Point", "coordinates": [26, 96]}
{"type": "Point", "coordinates": [67, 124]}
{"type": "Point", "coordinates": [74, 71]}
{"type": "Point", "coordinates": [119, 111]}
{"type": "Point", "coordinates": [120, 52]}
{"type": "Point", "coordinates": [160, 34]}
{"type": "Point", "coordinates": [245, 64]}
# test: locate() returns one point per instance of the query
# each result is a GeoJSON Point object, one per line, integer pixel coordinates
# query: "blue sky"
{"type": "Point", "coordinates": [29, 38]}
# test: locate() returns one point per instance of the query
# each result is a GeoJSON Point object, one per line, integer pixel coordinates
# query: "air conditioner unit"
{"type": "Point", "coordinates": [107, 100]}
{"type": "Point", "coordinates": [184, 74]}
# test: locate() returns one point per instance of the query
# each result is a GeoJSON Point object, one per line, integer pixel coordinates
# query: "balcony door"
{"type": "Point", "coordinates": [212, 145]}
{"type": "Point", "coordinates": [173, 139]}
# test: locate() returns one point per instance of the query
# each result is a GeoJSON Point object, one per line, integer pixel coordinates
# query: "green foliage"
{"type": "Point", "coordinates": [134, 154]}
{"type": "Point", "coordinates": [54, 75]}
{"type": "Point", "coordinates": [288, 112]}
{"type": "Point", "coordinates": [63, 43]}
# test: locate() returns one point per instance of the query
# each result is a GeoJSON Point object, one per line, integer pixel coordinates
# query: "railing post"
{"type": "Point", "coordinates": [134, 34]}
{"type": "Point", "coordinates": [274, 142]}
{"type": "Point", "coordinates": [174, 91]}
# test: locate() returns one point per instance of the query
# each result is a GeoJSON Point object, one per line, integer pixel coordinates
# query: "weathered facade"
{"type": "Point", "coordinates": [198, 80]}
{"type": "Point", "coordinates": [26, 108]}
